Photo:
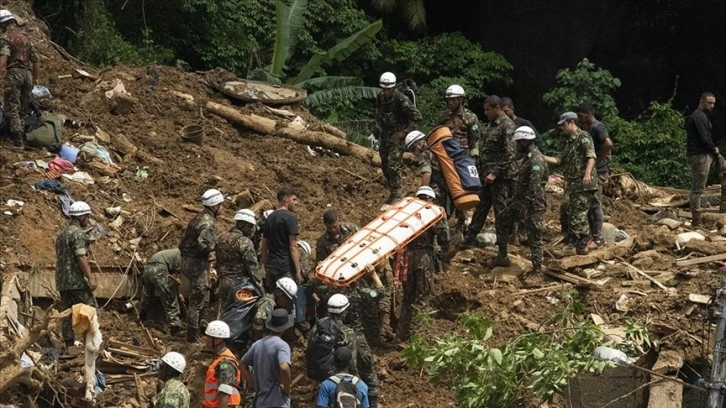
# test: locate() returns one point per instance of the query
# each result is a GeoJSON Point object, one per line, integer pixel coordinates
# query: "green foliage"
{"type": "Point", "coordinates": [586, 83]}
{"type": "Point", "coordinates": [289, 21]}
{"type": "Point", "coordinates": [544, 361]}
{"type": "Point", "coordinates": [652, 147]}
{"type": "Point", "coordinates": [98, 41]}
{"type": "Point", "coordinates": [413, 12]}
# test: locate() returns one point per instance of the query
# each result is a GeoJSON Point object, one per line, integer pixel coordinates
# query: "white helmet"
{"type": "Point", "coordinates": [266, 214]}
{"type": "Point", "coordinates": [175, 361]}
{"type": "Point", "coordinates": [218, 329]}
{"type": "Point", "coordinates": [413, 137]}
{"type": "Point", "coordinates": [388, 80]}
{"type": "Point", "coordinates": [212, 197]}
{"type": "Point", "coordinates": [524, 133]}
{"type": "Point", "coordinates": [426, 191]}
{"type": "Point", "coordinates": [246, 215]}
{"type": "Point", "coordinates": [6, 16]}
{"type": "Point", "coordinates": [455, 91]}
{"type": "Point", "coordinates": [305, 247]}
{"type": "Point", "coordinates": [288, 286]}
{"type": "Point", "coordinates": [79, 208]}
{"type": "Point", "coordinates": [338, 303]}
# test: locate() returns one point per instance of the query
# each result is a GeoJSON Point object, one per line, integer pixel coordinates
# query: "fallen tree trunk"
{"type": "Point", "coordinates": [124, 146]}
{"type": "Point", "coordinates": [270, 127]}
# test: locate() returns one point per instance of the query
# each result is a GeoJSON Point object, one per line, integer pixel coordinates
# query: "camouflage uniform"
{"type": "Point", "coordinates": [578, 149]}
{"type": "Point", "coordinates": [70, 280]}
{"type": "Point", "coordinates": [464, 125]}
{"type": "Point", "coordinates": [264, 306]}
{"type": "Point", "coordinates": [18, 77]}
{"type": "Point", "coordinates": [174, 395]}
{"type": "Point", "coordinates": [531, 196]}
{"type": "Point", "coordinates": [347, 339]}
{"type": "Point", "coordinates": [198, 241]}
{"type": "Point", "coordinates": [496, 155]}
{"type": "Point", "coordinates": [236, 259]}
{"type": "Point", "coordinates": [421, 267]}
{"type": "Point", "coordinates": [156, 277]}
{"type": "Point", "coordinates": [398, 114]}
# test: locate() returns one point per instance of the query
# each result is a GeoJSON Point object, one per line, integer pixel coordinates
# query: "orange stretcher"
{"type": "Point", "coordinates": [401, 223]}
{"type": "Point", "coordinates": [463, 199]}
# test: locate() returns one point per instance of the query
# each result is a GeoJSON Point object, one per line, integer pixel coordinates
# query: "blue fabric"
{"type": "Point", "coordinates": [50, 185]}
{"type": "Point", "coordinates": [326, 395]}
{"type": "Point", "coordinates": [265, 357]}
{"type": "Point", "coordinates": [464, 164]}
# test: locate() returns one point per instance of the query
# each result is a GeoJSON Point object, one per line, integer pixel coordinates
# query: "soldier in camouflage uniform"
{"type": "Point", "coordinates": [73, 278]}
{"type": "Point", "coordinates": [281, 297]}
{"type": "Point", "coordinates": [496, 167]}
{"type": "Point", "coordinates": [531, 195]}
{"type": "Point", "coordinates": [578, 161]}
{"type": "Point", "coordinates": [421, 267]}
{"type": "Point", "coordinates": [19, 58]}
{"type": "Point", "coordinates": [396, 115]}
{"type": "Point", "coordinates": [337, 313]}
{"type": "Point", "coordinates": [236, 257]}
{"type": "Point", "coordinates": [174, 394]}
{"type": "Point", "coordinates": [198, 241]}
{"type": "Point", "coordinates": [157, 277]}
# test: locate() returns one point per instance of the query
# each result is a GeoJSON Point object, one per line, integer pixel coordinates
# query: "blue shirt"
{"type": "Point", "coordinates": [326, 395]}
{"type": "Point", "coordinates": [265, 357]}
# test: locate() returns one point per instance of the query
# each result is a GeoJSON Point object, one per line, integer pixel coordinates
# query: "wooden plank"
{"type": "Point", "coordinates": [42, 282]}
{"type": "Point", "coordinates": [150, 339]}
{"type": "Point", "coordinates": [596, 256]}
{"type": "Point", "coordinates": [129, 353]}
{"type": "Point", "coordinates": [646, 276]}
{"type": "Point", "coordinates": [558, 287]}
{"type": "Point", "coordinates": [696, 261]}
{"type": "Point", "coordinates": [130, 347]}
{"type": "Point", "coordinates": [700, 299]}
{"type": "Point", "coordinates": [568, 277]}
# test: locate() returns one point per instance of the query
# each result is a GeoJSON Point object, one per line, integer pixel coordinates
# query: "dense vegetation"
{"type": "Point", "coordinates": [337, 50]}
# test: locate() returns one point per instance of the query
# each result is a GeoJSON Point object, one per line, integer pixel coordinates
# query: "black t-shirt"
{"type": "Point", "coordinates": [278, 228]}
{"type": "Point", "coordinates": [599, 134]}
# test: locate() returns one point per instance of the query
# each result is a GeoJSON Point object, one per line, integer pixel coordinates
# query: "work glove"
{"type": "Point", "coordinates": [474, 152]}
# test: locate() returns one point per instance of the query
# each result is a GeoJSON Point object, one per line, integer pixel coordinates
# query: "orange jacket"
{"type": "Point", "coordinates": [211, 385]}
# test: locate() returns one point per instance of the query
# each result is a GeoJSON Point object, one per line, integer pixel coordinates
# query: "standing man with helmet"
{"type": "Point", "coordinates": [531, 194]}
{"type": "Point", "coordinates": [223, 375]}
{"type": "Point", "coordinates": [421, 264]}
{"type": "Point", "coordinates": [496, 166]}
{"type": "Point", "coordinates": [73, 277]}
{"type": "Point", "coordinates": [157, 277]}
{"type": "Point", "coordinates": [278, 249]}
{"type": "Point", "coordinates": [282, 297]}
{"type": "Point", "coordinates": [174, 394]}
{"type": "Point", "coordinates": [236, 257]}
{"type": "Point", "coordinates": [396, 115]}
{"type": "Point", "coordinates": [22, 65]}
{"type": "Point", "coordinates": [197, 243]}
{"type": "Point", "coordinates": [701, 151]}
{"type": "Point", "coordinates": [464, 124]}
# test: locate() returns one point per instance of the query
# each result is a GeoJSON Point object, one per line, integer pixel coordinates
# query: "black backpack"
{"type": "Point", "coordinates": [320, 352]}
{"type": "Point", "coordinates": [346, 393]}
{"type": "Point", "coordinates": [408, 87]}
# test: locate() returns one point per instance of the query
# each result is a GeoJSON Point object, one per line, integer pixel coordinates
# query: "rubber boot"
{"type": "Point", "coordinates": [192, 334]}
{"type": "Point", "coordinates": [395, 195]}
{"type": "Point", "coordinates": [581, 246]}
{"type": "Point", "coordinates": [502, 258]}
{"type": "Point", "coordinates": [387, 332]}
{"type": "Point", "coordinates": [469, 241]}
{"type": "Point", "coordinates": [695, 218]}
{"type": "Point", "coordinates": [18, 141]}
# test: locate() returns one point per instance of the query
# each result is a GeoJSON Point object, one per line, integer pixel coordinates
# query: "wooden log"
{"type": "Point", "coordinates": [599, 255]}
{"type": "Point", "coordinates": [123, 145]}
{"type": "Point", "coordinates": [696, 261]}
{"type": "Point", "coordinates": [557, 286]}
{"type": "Point", "coordinates": [267, 126]}
{"type": "Point", "coordinates": [42, 283]}
{"type": "Point", "coordinates": [648, 277]}
{"type": "Point", "coordinates": [569, 277]}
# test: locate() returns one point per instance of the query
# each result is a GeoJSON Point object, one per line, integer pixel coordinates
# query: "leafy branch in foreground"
{"type": "Point", "coordinates": [542, 362]}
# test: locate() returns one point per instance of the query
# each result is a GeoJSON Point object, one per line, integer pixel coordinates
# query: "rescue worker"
{"type": "Point", "coordinates": [21, 64]}
{"type": "Point", "coordinates": [174, 394]}
{"type": "Point", "coordinates": [157, 278]}
{"type": "Point", "coordinates": [223, 375]}
{"type": "Point", "coordinates": [73, 277]}
{"type": "Point", "coordinates": [197, 243]}
{"type": "Point", "coordinates": [531, 193]}
{"type": "Point", "coordinates": [236, 257]}
{"type": "Point", "coordinates": [282, 297]}
{"type": "Point", "coordinates": [421, 258]}
{"type": "Point", "coordinates": [278, 250]}
{"type": "Point", "coordinates": [578, 162]}
{"type": "Point", "coordinates": [463, 123]}
{"type": "Point", "coordinates": [496, 167]}
{"type": "Point", "coordinates": [396, 115]}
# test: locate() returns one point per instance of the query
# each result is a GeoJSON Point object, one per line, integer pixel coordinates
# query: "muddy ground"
{"type": "Point", "coordinates": [235, 160]}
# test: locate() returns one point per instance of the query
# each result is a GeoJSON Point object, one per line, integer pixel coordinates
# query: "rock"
{"type": "Point", "coordinates": [665, 394]}
{"type": "Point", "coordinates": [643, 263]}
{"type": "Point", "coordinates": [669, 361]}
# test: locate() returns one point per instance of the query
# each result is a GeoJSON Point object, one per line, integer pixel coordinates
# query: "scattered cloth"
{"type": "Point", "coordinates": [61, 165]}
{"type": "Point", "coordinates": [50, 185]}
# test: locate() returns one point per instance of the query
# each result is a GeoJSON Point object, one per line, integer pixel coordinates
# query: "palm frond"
{"type": "Point", "coordinates": [328, 82]}
{"type": "Point", "coordinates": [289, 18]}
{"type": "Point", "coordinates": [385, 6]}
{"type": "Point", "coordinates": [296, 20]}
{"type": "Point", "coordinates": [414, 13]}
{"type": "Point", "coordinates": [343, 93]}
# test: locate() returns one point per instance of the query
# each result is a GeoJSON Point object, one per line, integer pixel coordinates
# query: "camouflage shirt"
{"type": "Point", "coordinates": [531, 182]}
{"type": "Point", "coordinates": [169, 259]}
{"type": "Point", "coordinates": [199, 238]}
{"type": "Point", "coordinates": [173, 395]}
{"type": "Point", "coordinates": [17, 47]}
{"type": "Point", "coordinates": [264, 306]}
{"type": "Point", "coordinates": [425, 241]}
{"type": "Point", "coordinates": [464, 125]}
{"type": "Point", "coordinates": [396, 114]}
{"type": "Point", "coordinates": [226, 372]}
{"type": "Point", "coordinates": [347, 339]}
{"type": "Point", "coordinates": [497, 149]}
{"type": "Point", "coordinates": [578, 149]}
{"type": "Point", "coordinates": [327, 244]}
{"type": "Point", "coordinates": [236, 256]}
{"type": "Point", "coordinates": [428, 163]}
{"type": "Point", "coordinates": [71, 242]}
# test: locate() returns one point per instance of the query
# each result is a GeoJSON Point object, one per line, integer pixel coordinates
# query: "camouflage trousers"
{"type": "Point", "coordinates": [595, 215]}
{"type": "Point", "coordinates": [68, 299]}
{"type": "Point", "coordinates": [194, 272]}
{"type": "Point", "coordinates": [18, 87]}
{"type": "Point", "coordinates": [701, 165]}
{"type": "Point", "coordinates": [534, 223]}
{"type": "Point", "coordinates": [416, 290]}
{"type": "Point", "coordinates": [366, 363]}
{"type": "Point", "coordinates": [573, 213]}
{"type": "Point", "coordinates": [391, 152]}
{"type": "Point", "coordinates": [492, 195]}
{"type": "Point", "coordinates": [156, 280]}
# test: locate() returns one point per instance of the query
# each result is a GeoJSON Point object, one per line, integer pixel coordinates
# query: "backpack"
{"type": "Point", "coordinates": [346, 393]}
{"type": "Point", "coordinates": [408, 87]}
{"type": "Point", "coordinates": [48, 132]}
{"type": "Point", "coordinates": [320, 352]}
